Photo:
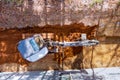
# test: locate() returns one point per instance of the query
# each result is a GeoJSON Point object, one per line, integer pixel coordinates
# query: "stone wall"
{"type": "Point", "coordinates": [105, 54]}
{"type": "Point", "coordinates": [53, 12]}
{"type": "Point", "coordinates": [37, 16]}
{"type": "Point", "coordinates": [11, 60]}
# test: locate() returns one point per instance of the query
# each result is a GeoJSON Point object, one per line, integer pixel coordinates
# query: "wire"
{"type": "Point", "coordinates": [91, 61]}
{"type": "Point", "coordinates": [61, 24]}
{"type": "Point", "coordinates": [93, 73]}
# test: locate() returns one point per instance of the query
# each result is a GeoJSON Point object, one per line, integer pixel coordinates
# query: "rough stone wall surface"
{"type": "Point", "coordinates": [42, 12]}
{"type": "Point", "coordinates": [104, 55]}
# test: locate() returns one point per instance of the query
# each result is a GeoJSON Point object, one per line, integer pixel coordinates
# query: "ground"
{"type": "Point", "coordinates": [112, 73]}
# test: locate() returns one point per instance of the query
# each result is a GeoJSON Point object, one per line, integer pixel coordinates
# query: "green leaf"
{"type": "Point", "coordinates": [96, 1]}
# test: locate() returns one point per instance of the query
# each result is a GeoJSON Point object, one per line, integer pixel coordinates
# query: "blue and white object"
{"type": "Point", "coordinates": [30, 50]}
{"type": "Point", "coordinates": [35, 48]}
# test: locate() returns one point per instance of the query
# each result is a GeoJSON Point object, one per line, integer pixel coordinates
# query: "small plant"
{"type": "Point", "coordinates": [18, 2]}
{"type": "Point", "coordinates": [96, 1]}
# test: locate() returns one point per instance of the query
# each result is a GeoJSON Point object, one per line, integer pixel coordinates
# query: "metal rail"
{"type": "Point", "coordinates": [74, 43]}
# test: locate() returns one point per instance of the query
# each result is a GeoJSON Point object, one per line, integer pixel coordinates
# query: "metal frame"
{"type": "Point", "coordinates": [57, 44]}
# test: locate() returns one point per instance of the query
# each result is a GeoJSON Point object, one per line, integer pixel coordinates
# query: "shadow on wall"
{"type": "Point", "coordinates": [78, 62]}
{"type": "Point", "coordinates": [10, 59]}
{"type": "Point", "coordinates": [106, 54]}
{"type": "Point", "coordinates": [8, 49]}
{"type": "Point", "coordinates": [114, 60]}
